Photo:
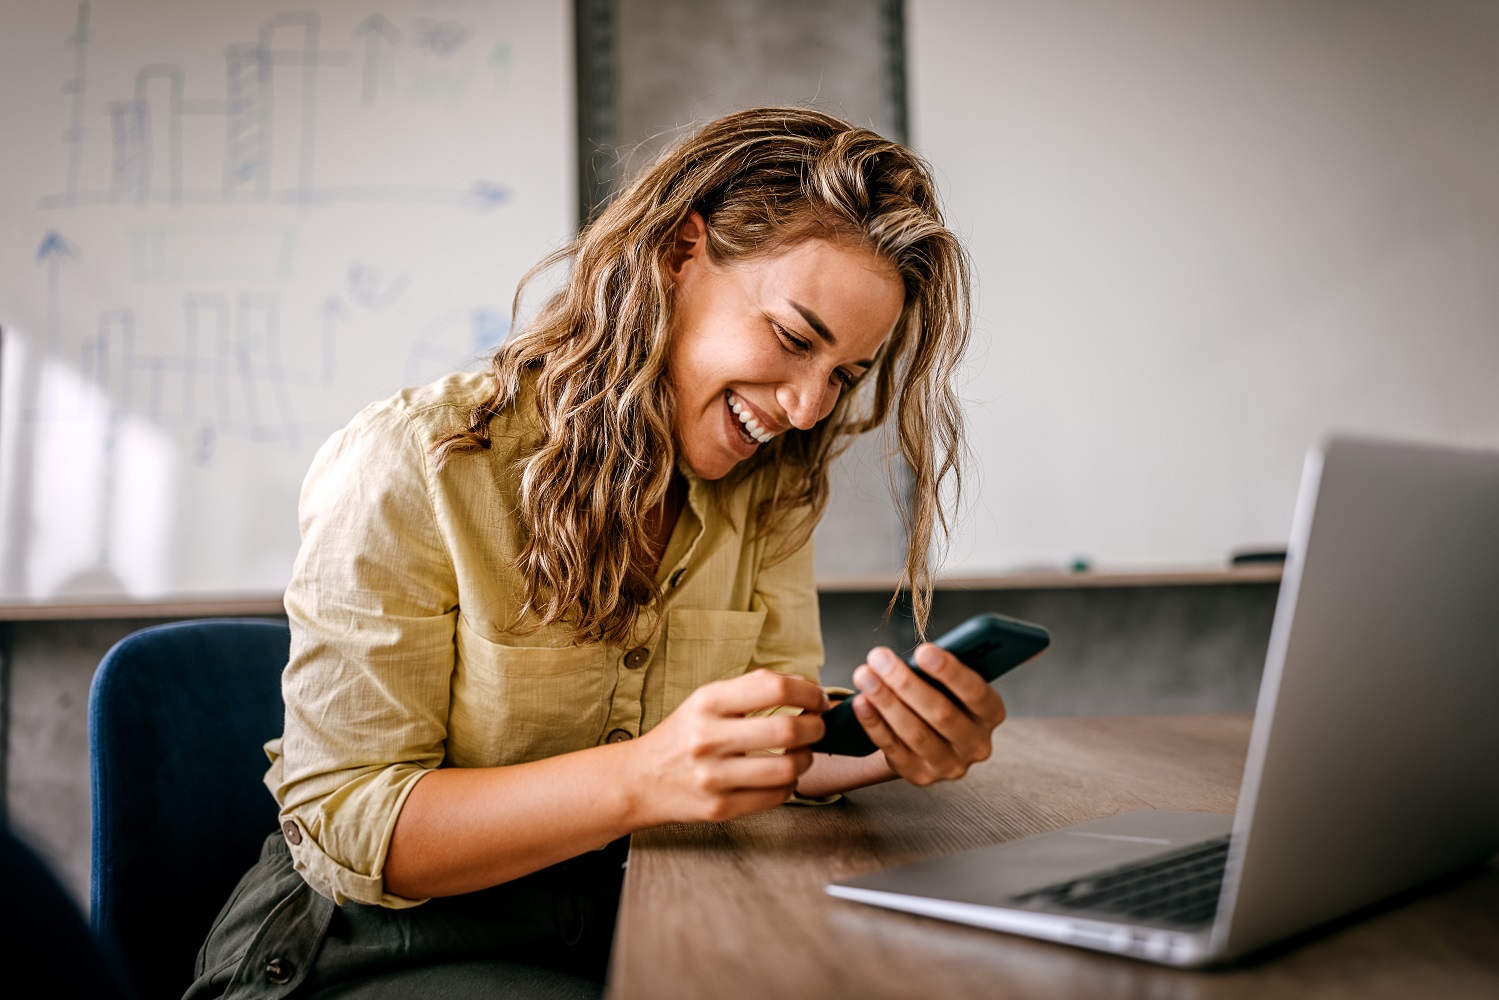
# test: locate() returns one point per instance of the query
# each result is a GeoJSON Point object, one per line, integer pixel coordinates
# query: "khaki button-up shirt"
{"type": "Point", "coordinates": [402, 604]}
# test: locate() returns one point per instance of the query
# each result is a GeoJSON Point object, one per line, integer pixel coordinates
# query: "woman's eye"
{"type": "Point", "coordinates": [799, 346]}
{"type": "Point", "coordinates": [792, 341]}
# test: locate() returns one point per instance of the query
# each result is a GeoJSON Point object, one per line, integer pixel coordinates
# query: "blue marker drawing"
{"type": "Point", "coordinates": [499, 62]}
{"type": "Point", "coordinates": [487, 194]}
{"type": "Point", "coordinates": [203, 443]}
{"type": "Point", "coordinates": [269, 146]}
{"type": "Point", "coordinates": [54, 249]}
{"type": "Point", "coordinates": [370, 289]}
{"type": "Point", "coordinates": [247, 119]}
{"type": "Point", "coordinates": [334, 313]}
{"type": "Point", "coordinates": [380, 37]}
{"type": "Point", "coordinates": [462, 338]}
{"type": "Point", "coordinates": [490, 328]}
{"type": "Point", "coordinates": [225, 364]}
{"type": "Point", "coordinates": [77, 86]}
{"type": "Point", "coordinates": [442, 38]}
{"type": "Point", "coordinates": [266, 211]}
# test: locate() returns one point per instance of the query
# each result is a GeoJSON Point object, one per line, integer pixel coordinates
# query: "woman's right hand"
{"type": "Point", "coordinates": [695, 767]}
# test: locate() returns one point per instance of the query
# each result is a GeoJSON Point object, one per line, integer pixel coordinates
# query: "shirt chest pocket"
{"type": "Point", "coordinates": [512, 704]}
{"type": "Point", "coordinates": [704, 646]}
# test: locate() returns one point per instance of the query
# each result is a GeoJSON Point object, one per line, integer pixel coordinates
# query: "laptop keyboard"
{"type": "Point", "coordinates": [1182, 889]}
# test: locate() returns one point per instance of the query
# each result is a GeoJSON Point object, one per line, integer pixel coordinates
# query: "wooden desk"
{"type": "Point", "coordinates": [737, 909]}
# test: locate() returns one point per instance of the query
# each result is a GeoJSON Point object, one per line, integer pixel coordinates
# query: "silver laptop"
{"type": "Point", "coordinates": [1374, 760]}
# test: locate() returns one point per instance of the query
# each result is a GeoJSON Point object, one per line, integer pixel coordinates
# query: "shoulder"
{"type": "Point", "coordinates": [389, 446]}
{"type": "Point", "coordinates": [420, 417]}
{"type": "Point", "coordinates": [438, 409]}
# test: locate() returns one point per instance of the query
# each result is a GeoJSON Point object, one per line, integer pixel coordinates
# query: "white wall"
{"type": "Point", "coordinates": [1205, 233]}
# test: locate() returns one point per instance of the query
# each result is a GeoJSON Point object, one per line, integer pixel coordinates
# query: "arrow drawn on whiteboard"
{"type": "Point", "coordinates": [371, 289]}
{"type": "Point", "coordinates": [54, 249]}
{"type": "Point", "coordinates": [54, 245]}
{"type": "Point", "coordinates": [375, 29]}
{"type": "Point", "coordinates": [485, 195]}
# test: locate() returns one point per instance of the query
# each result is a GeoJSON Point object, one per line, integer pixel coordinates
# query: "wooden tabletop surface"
{"type": "Point", "coordinates": [738, 910]}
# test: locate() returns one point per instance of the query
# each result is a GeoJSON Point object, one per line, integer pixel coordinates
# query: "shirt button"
{"type": "Point", "coordinates": [618, 736]}
{"type": "Point", "coordinates": [292, 832]}
{"type": "Point", "coordinates": [676, 577]}
{"type": "Point", "coordinates": [279, 971]}
{"type": "Point", "coordinates": [635, 658]}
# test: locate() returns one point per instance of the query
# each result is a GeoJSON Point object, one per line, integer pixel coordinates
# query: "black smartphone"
{"type": "Point", "coordinates": [989, 644]}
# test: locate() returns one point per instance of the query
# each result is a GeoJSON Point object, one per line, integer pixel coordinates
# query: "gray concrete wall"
{"type": "Point", "coordinates": [684, 62]}
{"type": "Point", "coordinates": [48, 670]}
{"type": "Point", "coordinates": [681, 63]}
{"type": "Point", "coordinates": [1125, 650]}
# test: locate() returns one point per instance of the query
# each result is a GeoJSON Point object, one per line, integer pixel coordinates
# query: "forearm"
{"type": "Point", "coordinates": [830, 773]}
{"type": "Point", "coordinates": [464, 829]}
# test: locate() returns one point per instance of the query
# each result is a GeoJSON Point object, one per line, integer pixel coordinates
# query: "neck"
{"type": "Point", "coordinates": [663, 517]}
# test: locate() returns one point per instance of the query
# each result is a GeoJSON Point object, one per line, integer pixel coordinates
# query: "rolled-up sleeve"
{"type": "Point", "coordinates": [373, 609]}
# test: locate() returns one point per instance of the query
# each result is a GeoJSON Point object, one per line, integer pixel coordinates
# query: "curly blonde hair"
{"type": "Point", "coordinates": [763, 180]}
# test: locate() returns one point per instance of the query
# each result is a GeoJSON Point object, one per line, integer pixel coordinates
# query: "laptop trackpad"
{"type": "Point", "coordinates": [989, 875]}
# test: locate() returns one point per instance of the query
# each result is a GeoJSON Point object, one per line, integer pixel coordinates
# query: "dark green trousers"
{"type": "Point", "coordinates": [546, 935]}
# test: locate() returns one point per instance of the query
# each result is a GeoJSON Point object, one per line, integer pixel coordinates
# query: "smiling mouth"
{"type": "Point", "coordinates": [750, 430]}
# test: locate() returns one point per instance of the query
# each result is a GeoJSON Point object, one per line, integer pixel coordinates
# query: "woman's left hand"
{"type": "Point", "coordinates": [925, 737]}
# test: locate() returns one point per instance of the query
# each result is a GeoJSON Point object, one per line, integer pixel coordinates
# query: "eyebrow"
{"type": "Point", "coordinates": [821, 329]}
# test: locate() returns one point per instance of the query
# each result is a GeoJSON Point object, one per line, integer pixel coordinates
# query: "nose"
{"type": "Point", "coordinates": [806, 400]}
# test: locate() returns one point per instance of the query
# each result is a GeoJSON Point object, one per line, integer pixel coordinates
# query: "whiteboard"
{"type": "Point", "coordinates": [227, 227]}
{"type": "Point", "coordinates": [1206, 233]}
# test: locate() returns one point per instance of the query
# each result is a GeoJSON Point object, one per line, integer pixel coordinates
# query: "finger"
{"type": "Point", "coordinates": [908, 729]}
{"type": "Point", "coordinates": [878, 730]}
{"type": "Point", "coordinates": [968, 729]}
{"type": "Point", "coordinates": [911, 748]}
{"type": "Point", "coordinates": [774, 732]}
{"type": "Point", "coordinates": [902, 759]}
{"type": "Point", "coordinates": [978, 696]}
{"type": "Point", "coordinates": [925, 701]}
{"type": "Point", "coordinates": [743, 803]}
{"type": "Point", "coordinates": [776, 771]}
{"type": "Point", "coordinates": [762, 689]}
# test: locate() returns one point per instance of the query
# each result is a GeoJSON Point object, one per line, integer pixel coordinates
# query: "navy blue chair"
{"type": "Point", "coordinates": [177, 716]}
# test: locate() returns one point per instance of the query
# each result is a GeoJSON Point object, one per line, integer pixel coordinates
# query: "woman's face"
{"type": "Point", "coordinates": [764, 346]}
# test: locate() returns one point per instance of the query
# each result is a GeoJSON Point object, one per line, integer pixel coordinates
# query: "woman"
{"type": "Point", "coordinates": [543, 607]}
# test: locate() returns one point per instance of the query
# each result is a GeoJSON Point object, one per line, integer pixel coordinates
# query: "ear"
{"type": "Point", "coordinates": [691, 244]}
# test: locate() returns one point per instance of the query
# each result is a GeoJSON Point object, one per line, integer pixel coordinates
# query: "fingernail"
{"type": "Point", "coordinates": [882, 660]}
{"type": "Point", "coordinates": [866, 681]}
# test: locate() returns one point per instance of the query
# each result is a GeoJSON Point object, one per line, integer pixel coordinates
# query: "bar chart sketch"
{"type": "Point", "coordinates": [232, 227]}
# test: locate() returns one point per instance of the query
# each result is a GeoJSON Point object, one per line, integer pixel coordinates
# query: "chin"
{"type": "Point", "coordinates": [709, 470]}
{"type": "Point", "coordinates": [709, 463]}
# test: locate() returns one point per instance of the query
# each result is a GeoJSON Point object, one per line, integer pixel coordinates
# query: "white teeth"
{"type": "Point", "coordinates": [748, 420]}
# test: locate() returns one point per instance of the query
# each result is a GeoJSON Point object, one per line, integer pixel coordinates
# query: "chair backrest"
{"type": "Point", "coordinates": [177, 717]}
